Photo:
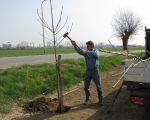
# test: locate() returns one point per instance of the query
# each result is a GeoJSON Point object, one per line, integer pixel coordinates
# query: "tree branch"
{"type": "Point", "coordinates": [45, 23]}
{"type": "Point", "coordinates": [59, 19]}
{"type": "Point", "coordinates": [62, 26]}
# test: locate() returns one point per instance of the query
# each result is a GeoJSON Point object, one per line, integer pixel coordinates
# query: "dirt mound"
{"type": "Point", "coordinates": [42, 104]}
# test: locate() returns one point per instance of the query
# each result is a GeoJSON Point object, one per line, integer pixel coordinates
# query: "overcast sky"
{"type": "Point", "coordinates": [92, 19]}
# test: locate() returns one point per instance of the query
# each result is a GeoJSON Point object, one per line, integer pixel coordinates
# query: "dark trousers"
{"type": "Point", "coordinates": [89, 75]}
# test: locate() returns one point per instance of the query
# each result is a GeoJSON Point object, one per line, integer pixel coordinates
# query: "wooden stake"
{"type": "Point", "coordinates": [60, 88]}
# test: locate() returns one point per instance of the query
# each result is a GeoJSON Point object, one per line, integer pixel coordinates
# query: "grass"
{"type": "Point", "coordinates": [28, 52]}
{"type": "Point", "coordinates": [21, 84]}
{"type": "Point", "coordinates": [121, 49]}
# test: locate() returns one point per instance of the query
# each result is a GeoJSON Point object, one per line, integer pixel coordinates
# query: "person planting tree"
{"type": "Point", "coordinates": [91, 56]}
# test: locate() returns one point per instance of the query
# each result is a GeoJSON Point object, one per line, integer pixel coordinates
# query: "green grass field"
{"type": "Point", "coordinates": [29, 52]}
{"type": "Point", "coordinates": [21, 84]}
{"type": "Point", "coordinates": [121, 49]}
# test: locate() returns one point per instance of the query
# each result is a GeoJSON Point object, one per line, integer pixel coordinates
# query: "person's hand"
{"type": "Point", "coordinates": [73, 43]}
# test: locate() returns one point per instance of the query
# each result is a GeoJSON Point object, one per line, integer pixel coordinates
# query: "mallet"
{"type": "Point", "coordinates": [66, 35]}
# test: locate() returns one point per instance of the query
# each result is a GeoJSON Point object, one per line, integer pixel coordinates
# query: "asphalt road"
{"type": "Point", "coordinates": [7, 62]}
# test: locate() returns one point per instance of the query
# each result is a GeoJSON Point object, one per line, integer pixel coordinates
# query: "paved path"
{"type": "Point", "coordinates": [7, 62]}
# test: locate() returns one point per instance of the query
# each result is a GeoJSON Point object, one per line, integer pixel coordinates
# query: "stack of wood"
{"type": "Point", "coordinates": [42, 104]}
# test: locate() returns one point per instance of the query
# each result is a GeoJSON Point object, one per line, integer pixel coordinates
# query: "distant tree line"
{"type": "Point", "coordinates": [26, 45]}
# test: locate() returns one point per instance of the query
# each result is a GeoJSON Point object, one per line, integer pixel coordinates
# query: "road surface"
{"type": "Point", "coordinates": [7, 62]}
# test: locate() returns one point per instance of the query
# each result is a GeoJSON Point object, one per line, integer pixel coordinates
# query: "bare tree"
{"type": "Point", "coordinates": [125, 25]}
{"type": "Point", "coordinates": [23, 45]}
{"type": "Point", "coordinates": [56, 28]}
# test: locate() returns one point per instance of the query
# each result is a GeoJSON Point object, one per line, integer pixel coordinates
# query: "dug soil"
{"type": "Point", "coordinates": [122, 110]}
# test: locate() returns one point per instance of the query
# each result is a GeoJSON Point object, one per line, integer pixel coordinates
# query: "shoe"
{"type": "Point", "coordinates": [101, 103]}
{"type": "Point", "coordinates": [87, 102]}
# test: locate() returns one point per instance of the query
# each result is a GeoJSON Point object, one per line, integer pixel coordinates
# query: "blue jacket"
{"type": "Point", "coordinates": [91, 58]}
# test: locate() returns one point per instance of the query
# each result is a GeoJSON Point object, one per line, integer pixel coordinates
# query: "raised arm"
{"type": "Point", "coordinates": [78, 49]}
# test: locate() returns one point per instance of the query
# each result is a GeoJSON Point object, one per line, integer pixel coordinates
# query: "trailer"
{"type": "Point", "coordinates": [137, 77]}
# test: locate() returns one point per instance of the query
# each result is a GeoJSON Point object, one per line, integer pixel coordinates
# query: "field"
{"type": "Point", "coordinates": [120, 49]}
{"type": "Point", "coordinates": [21, 84]}
{"type": "Point", "coordinates": [123, 109]}
{"type": "Point", "coordinates": [28, 52]}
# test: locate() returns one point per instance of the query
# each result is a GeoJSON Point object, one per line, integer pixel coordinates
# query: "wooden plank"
{"type": "Point", "coordinates": [137, 78]}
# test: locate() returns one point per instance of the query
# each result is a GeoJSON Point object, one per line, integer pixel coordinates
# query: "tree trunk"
{"type": "Point", "coordinates": [125, 43]}
{"type": "Point", "coordinates": [59, 86]}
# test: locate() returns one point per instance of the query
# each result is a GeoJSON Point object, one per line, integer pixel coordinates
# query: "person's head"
{"type": "Point", "coordinates": [89, 45]}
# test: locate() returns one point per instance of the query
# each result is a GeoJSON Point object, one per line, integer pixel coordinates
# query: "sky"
{"type": "Point", "coordinates": [91, 19]}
